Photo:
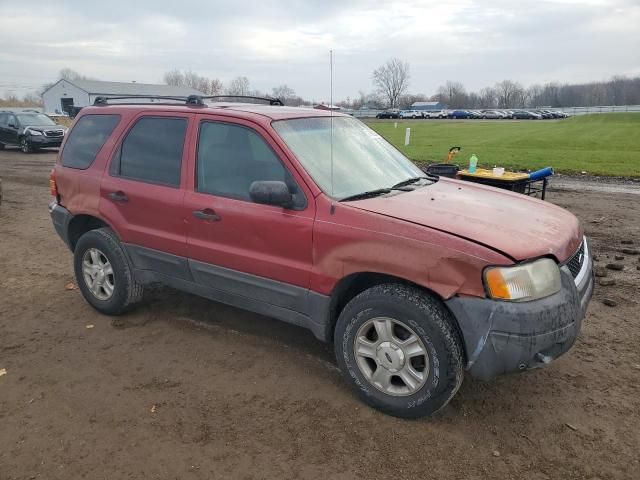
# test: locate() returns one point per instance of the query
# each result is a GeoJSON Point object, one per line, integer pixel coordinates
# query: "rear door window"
{"type": "Point", "coordinates": [86, 139]}
{"type": "Point", "coordinates": [152, 151]}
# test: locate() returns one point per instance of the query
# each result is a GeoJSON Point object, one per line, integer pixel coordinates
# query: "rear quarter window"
{"type": "Point", "coordinates": [86, 139]}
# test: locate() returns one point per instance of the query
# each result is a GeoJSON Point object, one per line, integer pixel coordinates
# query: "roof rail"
{"type": "Point", "coordinates": [199, 99]}
{"type": "Point", "coordinates": [105, 100]}
{"type": "Point", "coordinates": [190, 100]}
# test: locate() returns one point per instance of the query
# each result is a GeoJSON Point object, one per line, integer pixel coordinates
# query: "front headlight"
{"type": "Point", "coordinates": [32, 132]}
{"type": "Point", "coordinates": [520, 283]}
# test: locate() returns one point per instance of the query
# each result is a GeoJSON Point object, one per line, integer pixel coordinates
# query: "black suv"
{"type": "Point", "coordinates": [30, 130]}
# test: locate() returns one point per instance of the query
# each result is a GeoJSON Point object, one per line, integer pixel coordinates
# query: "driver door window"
{"type": "Point", "coordinates": [231, 157]}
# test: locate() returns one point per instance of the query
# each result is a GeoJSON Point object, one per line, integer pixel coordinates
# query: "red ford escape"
{"type": "Point", "coordinates": [315, 219]}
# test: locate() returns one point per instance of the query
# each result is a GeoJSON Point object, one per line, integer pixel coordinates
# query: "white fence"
{"type": "Point", "coordinates": [601, 109]}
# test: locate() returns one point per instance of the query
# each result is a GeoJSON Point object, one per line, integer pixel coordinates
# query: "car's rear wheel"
{"type": "Point", "coordinates": [25, 146]}
{"type": "Point", "coordinates": [398, 348]}
{"type": "Point", "coordinates": [103, 273]}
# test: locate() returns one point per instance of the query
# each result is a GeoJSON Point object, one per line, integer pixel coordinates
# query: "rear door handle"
{"type": "Point", "coordinates": [206, 214]}
{"type": "Point", "coordinates": [118, 196]}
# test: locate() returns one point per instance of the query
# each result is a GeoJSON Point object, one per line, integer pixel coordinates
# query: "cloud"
{"type": "Point", "coordinates": [475, 42]}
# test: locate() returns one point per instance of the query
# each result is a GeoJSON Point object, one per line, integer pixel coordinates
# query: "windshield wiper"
{"type": "Point", "coordinates": [367, 194]}
{"type": "Point", "coordinates": [409, 181]}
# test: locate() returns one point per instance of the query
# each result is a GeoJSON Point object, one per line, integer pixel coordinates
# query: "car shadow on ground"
{"type": "Point", "coordinates": [164, 304]}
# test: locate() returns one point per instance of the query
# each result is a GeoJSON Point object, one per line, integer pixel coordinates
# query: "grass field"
{"type": "Point", "coordinates": [600, 144]}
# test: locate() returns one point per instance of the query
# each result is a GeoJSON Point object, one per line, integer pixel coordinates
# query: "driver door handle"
{"type": "Point", "coordinates": [118, 196]}
{"type": "Point", "coordinates": [206, 214]}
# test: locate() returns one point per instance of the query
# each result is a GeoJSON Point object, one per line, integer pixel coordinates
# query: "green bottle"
{"type": "Point", "coordinates": [473, 163]}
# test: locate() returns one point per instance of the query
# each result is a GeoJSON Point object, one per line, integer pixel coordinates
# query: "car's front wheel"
{"type": "Point", "coordinates": [103, 273]}
{"type": "Point", "coordinates": [25, 146]}
{"type": "Point", "coordinates": [398, 348]}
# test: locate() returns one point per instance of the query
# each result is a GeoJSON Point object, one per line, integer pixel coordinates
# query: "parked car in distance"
{"type": "Point", "coordinates": [238, 203]}
{"type": "Point", "coordinates": [544, 114]}
{"type": "Point", "coordinates": [525, 115]}
{"type": "Point", "coordinates": [389, 114]}
{"type": "Point", "coordinates": [555, 114]}
{"type": "Point", "coordinates": [29, 130]}
{"type": "Point", "coordinates": [410, 114]}
{"type": "Point", "coordinates": [493, 114]}
{"type": "Point", "coordinates": [458, 114]}
{"type": "Point", "coordinates": [435, 114]}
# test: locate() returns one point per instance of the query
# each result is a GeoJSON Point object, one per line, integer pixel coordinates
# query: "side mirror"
{"type": "Point", "coordinates": [271, 193]}
{"type": "Point", "coordinates": [12, 125]}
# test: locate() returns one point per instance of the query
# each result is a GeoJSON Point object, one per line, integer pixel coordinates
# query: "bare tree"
{"type": "Point", "coordinates": [488, 97]}
{"type": "Point", "coordinates": [195, 81]}
{"type": "Point", "coordinates": [453, 94]}
{"type": "Point", "coordinates": [509, 93]}
{"type": "Point", "coordinates": [174, 77]}
{"type": "Point", "coordinates": [284, 93]}
{"type": "Point", "coordinates": [215, 87]}
{"type": "Point", "coordinates": [392, 80]}
{"type": "Point", "coordinates": [238, 86]}
{"type": "Point", "coordinates": [70, 74]}
{"type": "Point", "coordinates": [191, 79]}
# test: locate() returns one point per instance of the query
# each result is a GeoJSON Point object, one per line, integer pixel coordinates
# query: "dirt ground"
{"type": "Point", "coordinates": [184, 388]}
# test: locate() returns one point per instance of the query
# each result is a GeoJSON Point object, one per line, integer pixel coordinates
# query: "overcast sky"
{"type": "Point", "coordinates": [475, 42]}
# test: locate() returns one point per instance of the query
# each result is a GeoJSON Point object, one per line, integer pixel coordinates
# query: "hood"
{"type": "Point", "coordinates": [50, 128]}
{"type": "Point", "coordinates": [516, 225]}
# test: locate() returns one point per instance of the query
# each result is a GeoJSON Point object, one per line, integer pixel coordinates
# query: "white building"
{"type": "Point", "coordinates": [64, 94]}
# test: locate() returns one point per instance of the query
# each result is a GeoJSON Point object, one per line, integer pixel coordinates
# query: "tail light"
{"type": "Point", "coordinates": [53, 188]}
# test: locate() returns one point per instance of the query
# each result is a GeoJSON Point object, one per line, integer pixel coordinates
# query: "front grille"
{"type": "Point", "coordinates": [54, 133]}
{"type": "Point", "coordinates": [574, 264]}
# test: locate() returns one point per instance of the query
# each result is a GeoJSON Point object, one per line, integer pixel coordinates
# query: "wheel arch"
{"type": "Point", "coordinates": [353, 284]}
{"type": "Point", "coordinates": [81, 224]}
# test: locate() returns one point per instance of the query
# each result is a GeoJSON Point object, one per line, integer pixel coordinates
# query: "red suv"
{"type": "Point", "coordinates": [312, 218]}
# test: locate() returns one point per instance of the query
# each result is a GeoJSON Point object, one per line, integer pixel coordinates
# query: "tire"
{"type": "Point", "coordinates": [125, 291]}
{"type": "Point", "coordinates": [25, 146]}
{"type": "Point", "coordinates": [413, 314]}
{"type": "Point", "coordinates": [1, 146]}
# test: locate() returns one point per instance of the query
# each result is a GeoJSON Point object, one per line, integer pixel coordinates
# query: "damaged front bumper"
{"type": "Point", "coordinates": [502, 337]}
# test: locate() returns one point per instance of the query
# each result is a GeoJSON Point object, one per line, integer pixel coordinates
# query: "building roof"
{"type": "Point", "coordinates": [324, 106]}
{"type": "Point", "coordinates": [98, 87]}
{"type": "Point", "coordinates": [425, 104]}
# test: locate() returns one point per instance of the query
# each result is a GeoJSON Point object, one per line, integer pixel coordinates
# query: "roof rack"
{"type": "Point", "coordinates": [199, 99]}
{"type": "Point", "coordinates": [105, 100]}
{"type": "Point", "coordinates": [190, 100]}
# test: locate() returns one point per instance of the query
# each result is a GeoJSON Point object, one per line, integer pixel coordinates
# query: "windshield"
{"type": "Point", "coordinates": [362, 159]}
{"type": "Point", "coordinates": [35, 120]}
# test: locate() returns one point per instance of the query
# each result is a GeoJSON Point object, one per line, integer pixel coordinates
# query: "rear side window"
{"type": "Point", "coordinates": [86, 139]}
{"type": "Point", "coordinates": [152, 151]}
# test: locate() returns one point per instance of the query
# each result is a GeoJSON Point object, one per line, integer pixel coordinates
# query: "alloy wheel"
{"type": "Point", "coordinates": [98, 274]}
{"type": "Point", "coordinates": [391, 356]}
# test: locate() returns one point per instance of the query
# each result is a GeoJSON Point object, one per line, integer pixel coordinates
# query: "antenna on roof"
{"type": "Point", "coordinates": [331, 110]}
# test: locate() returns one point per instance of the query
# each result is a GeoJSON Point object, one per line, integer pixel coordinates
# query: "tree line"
{"type": "Point", "coordinates": [391, 83]}
{"type": "Point", "coordinates": [236, 86]}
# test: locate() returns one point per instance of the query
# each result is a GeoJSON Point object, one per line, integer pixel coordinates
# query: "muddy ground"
{"type": "Point", "coordinates": [183, 388]}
